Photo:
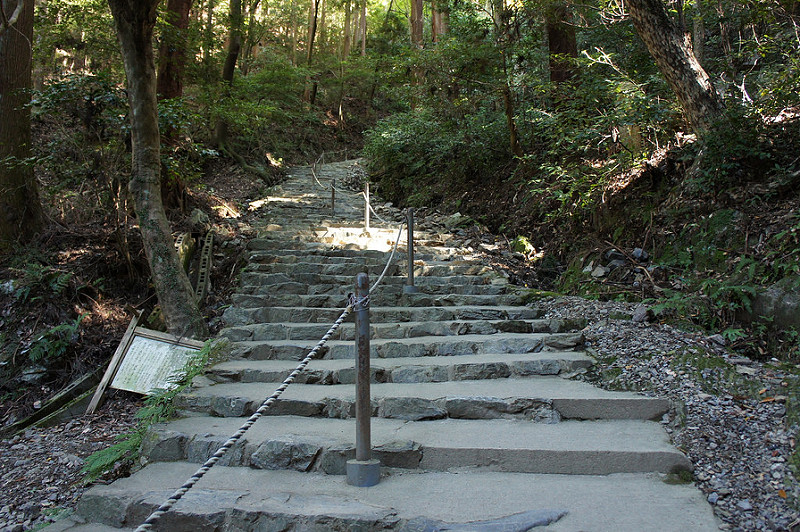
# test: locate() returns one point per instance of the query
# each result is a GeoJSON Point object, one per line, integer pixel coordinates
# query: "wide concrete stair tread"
{"type": "Point", "coordinates": [409, 329]}
{"type": "Point", "coordinates": [424, 369]}
{"type": "Point", "coordinates": [324, 445]}
{"type": "Point", "coordinates": [380, 298]}
{"type": "Point", "coordinates": [246, 499]}
{"type": "Point", "coordinates": [237, 316]}
{"type": "Point", "coordinates": [545, 399]}
{"type": "Point", "coordinates": [468, 344]}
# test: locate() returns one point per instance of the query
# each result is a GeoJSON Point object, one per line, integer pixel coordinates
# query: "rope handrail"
{"type": "Point", "coordinates": [353, 303]}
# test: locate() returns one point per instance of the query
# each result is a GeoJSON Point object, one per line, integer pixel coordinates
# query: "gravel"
{"type": "Point", "coordinates": [729, 413]}
{"type": "Point", "coordinates": [40, 476]}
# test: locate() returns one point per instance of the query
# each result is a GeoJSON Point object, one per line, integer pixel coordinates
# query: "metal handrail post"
{"type": "Point", "coordinates": [409, 287]}
{"type": "Point", "coordinates": [333, 197]}
{"type": "Point", "coordinates": [363, 471]}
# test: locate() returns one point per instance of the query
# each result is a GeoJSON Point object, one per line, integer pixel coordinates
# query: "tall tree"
{"type": "Point", "coordinates": [228, 69]}
{"type": "Point", "coordinates": [172, 51]}
{"type": "Point", "coordinates": [440, 19]}
{"type": "Point", "coordinates": [346, 37]}
{"type": "Point", "coordinates": [673, 54]}
{"type": "Point", "coordinates": [561, 41]}
{"type": "Point", "coordinates": [134, 20]}
{"type": "Point", "coordinates": [416, 23]}
{"type": "Point", "coordinates": [21, 216]}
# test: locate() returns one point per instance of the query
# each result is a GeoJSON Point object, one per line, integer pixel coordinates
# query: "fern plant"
{"type": "Point", "coordinates": [157, 408]}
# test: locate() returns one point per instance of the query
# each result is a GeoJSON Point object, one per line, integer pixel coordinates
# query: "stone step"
{"type": "Point", "coordinates": [325, 445]}
{"type": "Point", "coordinates": [370, 255]}
{"type": "Point", "coordinates": [237, 499]}
{"type": "Point", "coordinates": [296, 246]}
{"type": "Point", "coordinates": [439, 268]}
{"type": "Point", "coordinates": [407, 370]}
{"type": "Point", "coordinates": [421, 346]}
{"type": "Point", "coordinates": [395, 288]}
{"type": "Point", "coordinates": [409, 329]}
{"type": "Point", "coordinates": [238, 316]}
{"type": "Point", "coordinates": [257, 278]}
{"type": "Point", "coordinates": [378, 298]}
{"type": "Point", "coordinates": [539, 399]}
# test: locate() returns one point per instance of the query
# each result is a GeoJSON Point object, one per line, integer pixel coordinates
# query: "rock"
{"type": "Point", "coordinates": [617, 263]}
{"type": "Point", "coordinates": [718, 339]}
{"type": "Point", "coordinates": [641, 314]}
{"type": "Point", "coordinates": [640, 255]}
{"type": "Point", "coordinates": [713, 497]}
{"type": "Point", "coordinates": [411, 409]}
{"type": "Point", "coordinates": [781, 302]}
{"type": "Point", "coordinates": [613, 254]}
{"type": "Point", "coordinates": [199, 219]}
{"type": "Point", "coordinates": [744, 505]}
{"type": "Point", "coordinates": [404, 454]}
{"type": "Point", "coordinates": [277, 455]}
{"type": "Point", "coordinates": [600, 271]}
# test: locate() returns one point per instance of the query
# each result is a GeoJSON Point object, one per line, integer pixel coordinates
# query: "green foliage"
{"type": "Point", "coordinates": [158, 407]}
{"type": "Point", "coordinates": [522, 245]}
{"type": "Point", "coordinates": [38, 281]}
{"type": "Point", "coordinates": [54, 342]}
{"type": "Point", "coordinates": [415, 156]}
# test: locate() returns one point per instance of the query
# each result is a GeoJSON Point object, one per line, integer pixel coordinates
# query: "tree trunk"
{"type": "Point", "coordinates": [172, 52]}
{"type": "Point", "coordinates": [234, 46]}
{"type": "Point", "coordinates": [313, 13]}
{"type": "Point", "coordinates": [346, 38]}
{"type": "Point", "coordinates": [294, 32]}
{"type": "Point", "coordinates": [20, 209]}
{"type": "Point", "coordinates": [249, 53]}
{"type": "Point", "coordinates": [134, 20]}
{"type": "Point", "coordinates": [673, 54]}
{"type": "Point", "coordinates": [562, 43]}
{"type": "Point", "coordinates": [416, 23]}
{"type": "Point", "coordinates": [363, 28]}
{"type": "Point", "coordinates": [208, 39]}
{"type": "Point", "coordinates": [440, 20]}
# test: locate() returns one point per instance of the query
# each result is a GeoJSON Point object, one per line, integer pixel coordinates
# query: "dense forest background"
{"type": "Point", "coordinates": [664, 142]}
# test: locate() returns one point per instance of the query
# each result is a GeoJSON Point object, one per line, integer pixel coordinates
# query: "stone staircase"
{"type": "Point", "coordinates": [474, 422]}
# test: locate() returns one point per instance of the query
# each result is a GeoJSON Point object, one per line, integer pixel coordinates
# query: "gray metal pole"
{"type": "Point", "coordinates": [409, 288]}
{"type": "Point", "coordinates": [366, 206]}
{"type": "Point", "coordinates": [363, 471]}
{"type": "Point", "coordinates": [333, 197]}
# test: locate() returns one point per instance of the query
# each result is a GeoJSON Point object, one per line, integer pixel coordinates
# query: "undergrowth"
{"type": "Point", "coordinates": [157, 408]}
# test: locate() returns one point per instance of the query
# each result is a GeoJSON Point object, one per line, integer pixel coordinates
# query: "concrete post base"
{"type": "Point", "coordinates": [363, 474]}
{"type": "Point", "coordinates": [407, 289]}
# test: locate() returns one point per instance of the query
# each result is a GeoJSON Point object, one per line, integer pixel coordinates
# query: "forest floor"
{"type": "Point", "coordinates": [731, 413]}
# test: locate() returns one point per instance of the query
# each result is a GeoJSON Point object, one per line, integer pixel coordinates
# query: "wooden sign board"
{"type": "Point", "coordinates": [145, 360]}
{"type": "Point", "coordinates": [153, 360]}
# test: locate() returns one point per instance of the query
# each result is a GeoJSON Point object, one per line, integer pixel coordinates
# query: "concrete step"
{"type": "Point", "coordinates": [325, 445]}
{"type": "Point", "coordinates": [421, 346]}
{"type": "Point", "coordinates": [237, 499]}
{"type": "Point", "coordinates": [256, 278]}
{"type": "Point", "coordinates": [407, 370]}
{"type": "Point", "coordinates": [439, 268]}
{"type": "Point", "coordinates": [409, 329]}
{"type": "Point", "coordinates": [378, 298]}
{"type": "Point", "coordinates": [238, 316]}
{"type": "Point", "coordinates": [540, 399]}
{"type": "Point", "coordinates": [395, 288]}
{"type": "Point", "coordinates": [368, 254]}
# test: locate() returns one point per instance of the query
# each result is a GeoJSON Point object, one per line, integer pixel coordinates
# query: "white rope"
{"type": "Point", "coordinates": [354, 303]}
{"type": "Point", "coordinates": [180, 492]}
